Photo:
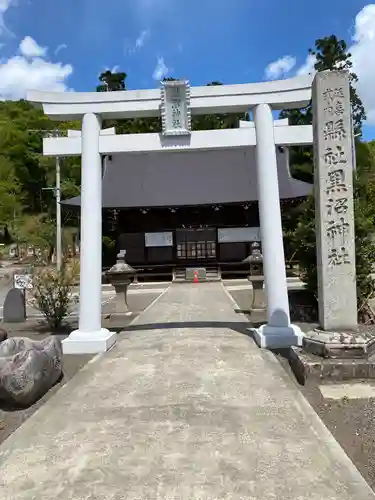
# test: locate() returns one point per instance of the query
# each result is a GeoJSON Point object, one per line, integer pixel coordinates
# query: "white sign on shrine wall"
{"type": "Point", "coordinates": [238, 234]}
{"type": "Point", "coordinates": [175, 108]}
{"type": "Point", "coordinates": [159, 239]}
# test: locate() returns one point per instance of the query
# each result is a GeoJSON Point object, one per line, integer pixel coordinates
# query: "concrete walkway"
{"type": "Point", "coordinates": [186, 407]}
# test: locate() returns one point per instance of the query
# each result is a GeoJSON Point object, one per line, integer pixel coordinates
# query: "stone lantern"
{"type": "Point", "coordinates": [256, 276]}
{"type": "Point", "coordinates": [120, 276]}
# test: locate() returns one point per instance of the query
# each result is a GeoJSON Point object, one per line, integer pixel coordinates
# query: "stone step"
{"type": "Point", "coordinates": [211, 274]}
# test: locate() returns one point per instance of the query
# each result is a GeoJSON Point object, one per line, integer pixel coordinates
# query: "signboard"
{"type": "Point", "coordinates": [334, 208]}
{"type": "Point", "coordinates": [159, 239]}
{"type": "Point", "coordinates": [23, 281]}
{"type": "Point", "coordinates": [238, 234]}
{"type": "Point", "coordinates": [175, 108]}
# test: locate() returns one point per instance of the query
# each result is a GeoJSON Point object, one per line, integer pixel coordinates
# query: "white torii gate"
{"type": "Point", "coordinates": [93, 142]}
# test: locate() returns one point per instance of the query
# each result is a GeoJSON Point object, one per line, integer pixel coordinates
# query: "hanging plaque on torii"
{"type": "Point", "coordinates": [175, 108]}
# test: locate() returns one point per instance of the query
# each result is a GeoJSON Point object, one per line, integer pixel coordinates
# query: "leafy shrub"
{"type": "Point", "coordinates": [52, 293]}
{"type": "Point", "coordinates": [108, 242]}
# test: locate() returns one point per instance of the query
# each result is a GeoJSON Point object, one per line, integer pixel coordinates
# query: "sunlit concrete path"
{"type": "Point", "coordinates": [185, 407]}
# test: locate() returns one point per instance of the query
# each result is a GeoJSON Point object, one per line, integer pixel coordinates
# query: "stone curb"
{"type": "Point", "coordinates": [308, 368]}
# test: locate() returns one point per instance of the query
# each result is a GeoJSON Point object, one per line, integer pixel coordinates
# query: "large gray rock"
{"type": "Point", "coordinates": [3, 335]}
{"type": "Point", "coordinates": [28, 369]}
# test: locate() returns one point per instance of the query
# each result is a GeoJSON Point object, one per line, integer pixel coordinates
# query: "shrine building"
{"type": "Point", "coordinates": [171, 210]}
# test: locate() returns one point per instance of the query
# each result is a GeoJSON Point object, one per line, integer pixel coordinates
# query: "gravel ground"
{"type": "Point", "coordinates": [352, 422]}
{"type": "Point", "coordinates": [11, 420]}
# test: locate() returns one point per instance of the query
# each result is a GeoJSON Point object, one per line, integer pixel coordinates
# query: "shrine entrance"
{"type": "Point", "coordinates": [196, 245]}
{"type": "Point", "coordinates": [175, 103]}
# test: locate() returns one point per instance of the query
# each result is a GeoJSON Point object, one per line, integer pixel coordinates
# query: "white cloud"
{"type": "Point", "coordinates": [60, 47]}
{"type": "Point", "coordinates": [131, 47]}
{"type": "Point", "coordinates": [4, 6]}
{"type": "Point", "coordinates": [149, 10]}
{"type": "Point", "coordinates": [161, 70]}
{"type": "Point", "coordinates": [308, 66]}
{"type": "Point", "coordinates": [26, 71]}
{"type": "Point", "coordinates": [363, 50]}
{"type": "Point", "coordinates": [280, 68]}
{"type": "Point", "coordinates": [29, 48]}
{"type": "Point", "coordinates": [140, 41]}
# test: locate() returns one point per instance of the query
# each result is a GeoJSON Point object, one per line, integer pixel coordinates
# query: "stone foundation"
{"type": "Point", "coordinates": [354, 344]}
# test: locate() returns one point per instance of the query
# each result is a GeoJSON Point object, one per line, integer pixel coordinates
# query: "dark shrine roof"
{"type": "Point", "coordinates": [173, 179]}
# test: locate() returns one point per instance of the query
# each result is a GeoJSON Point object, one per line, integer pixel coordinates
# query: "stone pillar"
{"type": "Point", "coordinates": [90, 336]}
{"type": "Point", "coordinates": [334, 211]}
{"type": "Point", "coordinates": [278, 332]}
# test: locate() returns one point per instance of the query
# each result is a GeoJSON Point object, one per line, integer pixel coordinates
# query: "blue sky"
{"type": "Point", "coordinates": [232, 41]}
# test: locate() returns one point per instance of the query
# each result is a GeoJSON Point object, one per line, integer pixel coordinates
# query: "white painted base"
{"type": "Point", "coordinates": [273, 337]}
{"type": "Point", "coordinates": [89, 342]}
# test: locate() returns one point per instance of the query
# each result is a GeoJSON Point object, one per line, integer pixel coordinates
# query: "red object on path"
{"type": "Point", "coordinates": [196, 276]}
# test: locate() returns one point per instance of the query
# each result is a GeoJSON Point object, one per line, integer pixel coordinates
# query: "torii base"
{"type": "Point", "coordinates": [273, 337]}
{"type": "Point", "coordinates": [96, 342]}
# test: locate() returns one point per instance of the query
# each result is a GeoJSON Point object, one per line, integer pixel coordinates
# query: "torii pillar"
{"type": "Point", "coordinates": [278, 332]}
{"type": "Point", "coordinates": [90, 336]}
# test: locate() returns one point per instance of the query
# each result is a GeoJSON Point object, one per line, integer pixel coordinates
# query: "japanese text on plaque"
{"type": "Point", "coordinates": [335, 133]}
{"type": "Point", "coordinates": [176, 108]}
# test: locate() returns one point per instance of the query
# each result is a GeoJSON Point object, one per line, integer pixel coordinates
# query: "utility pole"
{"type": "Point", "coordinates": [57, 192]}
{"type": "Point", "coordinates": [58, 216]}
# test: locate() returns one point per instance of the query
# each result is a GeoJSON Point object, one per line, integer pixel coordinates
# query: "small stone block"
{"type": "Point", "coordinates": [200, 272]}
{"type": "Point", "coordinates": [14, 310]}
{"type": "Point", "coordinates": [349, 391]}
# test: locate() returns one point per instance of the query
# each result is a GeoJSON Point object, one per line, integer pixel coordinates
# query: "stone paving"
{"type": "Point", "coordinates": [108, 294]}
{"type": "Point", "coordinates": [185, 407]}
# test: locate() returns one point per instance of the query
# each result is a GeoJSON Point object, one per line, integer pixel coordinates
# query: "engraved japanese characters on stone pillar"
{"type": "Point", "coordinates": [334, 211]}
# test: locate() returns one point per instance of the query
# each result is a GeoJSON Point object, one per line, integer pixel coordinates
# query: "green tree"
{"type": "Point", "coordinates": [39, 231]}
{"type": "Point", "coordinates": [11, 205]}
{"type": "Point", "coordinates": [304, 239]}
{"type": "Point", "coordinates": [25, 172]}
{"type": "Point", "coordinates": [217, 121]}
{"type": "Point", "coordinates": [331, 54]}
{"type": "Point", "coordinates": [111, 81]}
{"type": "Point", "coordinates": [21, 137]}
